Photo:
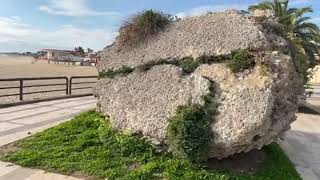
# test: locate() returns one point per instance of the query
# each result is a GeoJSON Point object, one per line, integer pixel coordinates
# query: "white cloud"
{"type": "Point", "coordinates": [298, 2]}
{"type": "Point", "coordinates": [74, 8]}
{"type": "Point", "coordinates": [12, 28]}
{"type": "Point", "coordinates": [210, 8]}
{"type": "Point", "coordinates": [316, 19]}
{"type": "Point", "coordinates": [18, 36]}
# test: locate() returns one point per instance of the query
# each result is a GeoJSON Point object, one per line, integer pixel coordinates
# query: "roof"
{"type": "Point", "coordinates": [58, 50]}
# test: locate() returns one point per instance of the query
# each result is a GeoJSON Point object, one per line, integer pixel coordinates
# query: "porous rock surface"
{"type": "Point", "coordinates": [217, 33]}
{"type": "Point", "coordinates": [142, 102]}
{"type": "Point", "coordinates": [255, 106]}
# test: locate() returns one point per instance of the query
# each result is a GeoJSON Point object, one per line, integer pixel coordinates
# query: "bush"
{"type": "Point", "coordinates": [142, 25]}
{"type": "Point", "coordinates": [151, 22]}
{"type": "Point", "coordinates": [240, 61]}
{"type": "Point", "coordinates": [188, 133]}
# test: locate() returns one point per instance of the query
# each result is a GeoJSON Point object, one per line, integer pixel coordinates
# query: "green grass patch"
{"type": "Point", "coordinates": [89, 145]}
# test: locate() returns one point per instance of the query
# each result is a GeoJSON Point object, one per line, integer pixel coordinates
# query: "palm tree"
{"type": "Point", "coordinates": [278, 7]}
{"type": "Point", "coordinates": [302, 35]}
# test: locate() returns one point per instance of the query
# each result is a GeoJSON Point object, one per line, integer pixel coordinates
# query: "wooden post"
{"type": "Point", "coordinates": [21, 90]}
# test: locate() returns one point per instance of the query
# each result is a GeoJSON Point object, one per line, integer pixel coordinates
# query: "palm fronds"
{"type": "Point", "coordinates": [303, 36]}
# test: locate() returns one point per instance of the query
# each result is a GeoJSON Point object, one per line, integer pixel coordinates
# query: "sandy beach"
{"type": "Point", "coordinates": [22, 66]}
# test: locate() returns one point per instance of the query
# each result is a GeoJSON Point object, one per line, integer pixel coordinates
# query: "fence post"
{"type": "Point", "coordinates": [21, 90]}
{"type": "Point", "coordinates": [67, 86]}
{"type": "Point", "coordinates": [70, 85]}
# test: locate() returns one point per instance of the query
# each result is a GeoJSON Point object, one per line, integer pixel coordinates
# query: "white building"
{"type": "Point", "coordinates": [56, 54]}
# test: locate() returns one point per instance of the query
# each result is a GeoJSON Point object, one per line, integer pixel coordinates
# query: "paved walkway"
{"type": "Point", "coordinates": [9, 171]}
{"type": "Point", "coordinates": [23, 121]}
{"type": "Point", "coordinates": [302, 144]}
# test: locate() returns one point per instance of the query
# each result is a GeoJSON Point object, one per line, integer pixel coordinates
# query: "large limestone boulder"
{"type": "Point", "coordinates": [255, 106]}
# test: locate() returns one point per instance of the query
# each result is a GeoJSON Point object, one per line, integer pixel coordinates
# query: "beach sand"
{"type": "Point", "coordinates": [22, 67]}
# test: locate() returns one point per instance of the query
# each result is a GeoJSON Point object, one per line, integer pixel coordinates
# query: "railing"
{"type": "Point", "coordinates": [22, 86]}
{"type": "Point", "coordinates": [69, 85]}
{"type": "Point", "coordinates": [71, 82]}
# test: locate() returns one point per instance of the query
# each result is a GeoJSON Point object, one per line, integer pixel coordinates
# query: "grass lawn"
{"type": "Point", "coordinates": [89, 146]}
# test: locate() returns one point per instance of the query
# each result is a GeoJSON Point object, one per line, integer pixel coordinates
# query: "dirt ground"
{"type": "Point", "coordinates": [243, 162]}
{"type": "Point", "coordinates": [21, 66]}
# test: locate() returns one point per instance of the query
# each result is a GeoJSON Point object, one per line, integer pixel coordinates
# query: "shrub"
{"type": "Point", "coordinates": [189, 133]}
{"type": "Point", "coordinates": [240, 61]}
{"type": "Point", "coordinates": [142, 25]}
{"type": "Point", "coordinates": [152, 22]}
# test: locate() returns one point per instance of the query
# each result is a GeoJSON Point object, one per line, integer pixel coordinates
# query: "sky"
{"type": "Point", "coordinates": [32, 25]}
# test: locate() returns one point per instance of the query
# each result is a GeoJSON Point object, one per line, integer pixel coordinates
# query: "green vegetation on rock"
{"type": "Point", "coordinates": [87, 145]}
{"type": "Point", "coordinates": [151, 21]}
{"type": "Point", "coordinates": [240, 61]}
{"type": "Point", "coordinates": [187, 64]}
{"type": "Point", "coordinates": [189, 133]}
{"type": "Point", "coordinates": [237, 61]}
{"type": "Point", "coordinates": [110, 73]}
{"type": "Point", "coordinates": [142, 25]}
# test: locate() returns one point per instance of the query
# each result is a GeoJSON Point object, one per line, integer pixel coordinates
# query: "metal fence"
{"type": "Point", "coordinates": [69, 85]}
{"type": "Point", "coordinates": [73, 83]}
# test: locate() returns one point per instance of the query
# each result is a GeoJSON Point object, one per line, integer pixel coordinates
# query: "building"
{"type": "Point", "coordinates": [64, 56]}
{"type": "Point", "coordinates": [56, 54]}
